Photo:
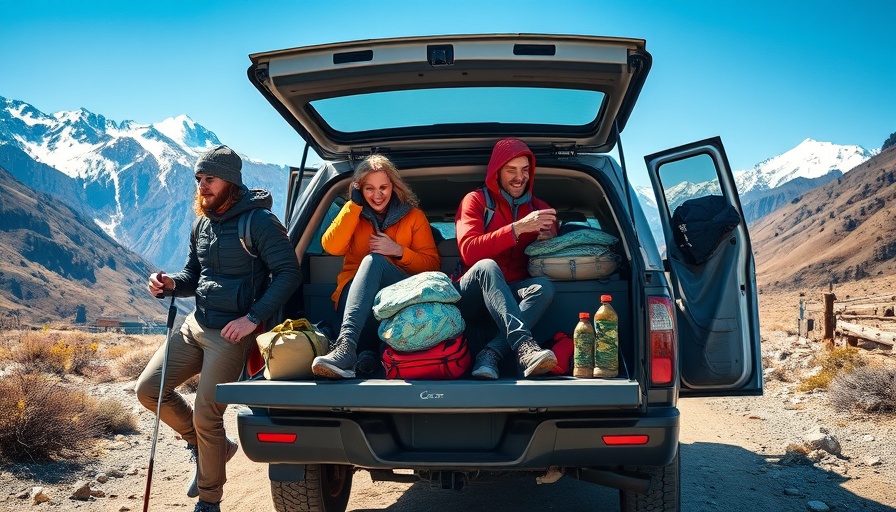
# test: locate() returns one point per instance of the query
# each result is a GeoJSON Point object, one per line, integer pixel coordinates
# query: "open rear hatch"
{"type": "Point", "coordinates": [461, 92]}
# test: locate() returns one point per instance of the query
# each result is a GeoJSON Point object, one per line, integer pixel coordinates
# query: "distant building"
{"type": "Point", "coordinates": [126, 325]}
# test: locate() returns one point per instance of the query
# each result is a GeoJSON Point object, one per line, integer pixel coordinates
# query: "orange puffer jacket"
{"type": "Point", "coordinates": [349, 236]}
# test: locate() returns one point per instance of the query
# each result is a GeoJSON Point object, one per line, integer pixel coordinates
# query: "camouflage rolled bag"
{"type": "Point", "coordinates": [289, 348]}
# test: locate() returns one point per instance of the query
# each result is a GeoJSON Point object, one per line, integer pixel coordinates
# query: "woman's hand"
{"type": "Point", "coordinates": [357, 195]}
{"type": "Point", "coordinates": [380, 243]}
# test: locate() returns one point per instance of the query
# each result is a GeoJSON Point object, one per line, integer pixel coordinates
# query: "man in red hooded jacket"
{"type": "Point", "coordinates": [493, 250]}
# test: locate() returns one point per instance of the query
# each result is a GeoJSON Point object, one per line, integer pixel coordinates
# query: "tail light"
{"type": "Point", "coordinates": [276, 437]}
{"type": "Point", "coordinates": [625, 439]}
{"type": "Point", "coordinates": [662, 341]}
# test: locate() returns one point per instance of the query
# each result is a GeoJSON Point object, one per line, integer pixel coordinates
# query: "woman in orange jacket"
{"type": "Point", "coordinates": [384, 238]}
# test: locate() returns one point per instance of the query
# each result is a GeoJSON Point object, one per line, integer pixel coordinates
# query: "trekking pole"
{"type": "Point", "coordinates": [172, 312]}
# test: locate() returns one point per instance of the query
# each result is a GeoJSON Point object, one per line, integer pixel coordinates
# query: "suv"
{"type": "Point", "coordinates": [436, 106]}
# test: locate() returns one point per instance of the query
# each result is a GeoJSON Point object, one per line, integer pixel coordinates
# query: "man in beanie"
{"type": "Point", "coordinates": [233, 296]}
{"type": "Point", "coordinates": [494, 251]}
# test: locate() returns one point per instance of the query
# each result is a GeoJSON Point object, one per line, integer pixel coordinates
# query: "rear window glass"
{"type": "Point", "coordinates": [456, 105]}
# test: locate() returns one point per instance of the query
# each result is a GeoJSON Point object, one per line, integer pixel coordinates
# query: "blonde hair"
{"type": "Point", "coordinates": [377, 163]}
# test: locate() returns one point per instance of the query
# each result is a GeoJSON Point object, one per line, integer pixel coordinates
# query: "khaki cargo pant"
{"type": "Point", "coordinates": [196, 349]}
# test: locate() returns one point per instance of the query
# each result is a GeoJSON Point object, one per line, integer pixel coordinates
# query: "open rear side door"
{"type": "Point", "coordinates": [711, 267]}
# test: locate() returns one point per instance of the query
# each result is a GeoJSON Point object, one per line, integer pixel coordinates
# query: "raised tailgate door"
{"type": "Point", "coordinates": [711, 267]}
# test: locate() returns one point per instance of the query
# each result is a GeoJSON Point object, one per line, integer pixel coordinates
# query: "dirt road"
{"type": "Point", "coordinates": [732, 458]}
{"type": "Point", "coordinates": [730, 455]}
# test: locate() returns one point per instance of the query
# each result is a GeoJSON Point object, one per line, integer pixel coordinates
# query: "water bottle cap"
{"type": "Point", "coordinates": [606, 298]}
{"type": "Point", "coordinates": [584, 316]}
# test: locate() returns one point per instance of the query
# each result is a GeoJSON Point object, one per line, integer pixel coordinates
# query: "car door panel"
{"type": "Point", "coordinates": [716, 300]}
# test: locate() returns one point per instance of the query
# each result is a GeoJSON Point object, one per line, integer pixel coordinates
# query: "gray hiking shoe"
{"type": "Point", "coordinates": [486, 365]}
{"type": "Point", "coordinates": [193, 487]}
{"type": "Point", "coordinates": [204, 506]}
{"type": "Point", "coordinates": [369, 365]}
{"type": "Point", "coordinates": [339, 363]}
{"type": "Point", "coordinates": [534, 360]}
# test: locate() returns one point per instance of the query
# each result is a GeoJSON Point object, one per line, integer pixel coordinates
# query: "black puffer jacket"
{"type": "Point", "coordinates": [221, 274]}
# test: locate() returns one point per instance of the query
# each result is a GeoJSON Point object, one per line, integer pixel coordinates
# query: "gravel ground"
{"type": "Point", "coordinates": [734, 457]}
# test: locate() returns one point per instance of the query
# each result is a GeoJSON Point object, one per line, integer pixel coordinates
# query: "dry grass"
{"type": "Point", "coordinates": [130, 365]}
{"type": "Point", "coordinates": [41, 419]}
{"type": "Point", "coordinates": [56, 352]}
{"type": "Point", "coordinates": [117, 351]}
{"type": "Point", "coordinates": [869, 389]}
{"type": "Point", "coordinates": [114, 417]}
{"type": "Point", "coordinates": [779, 311]}
{"type": "Point", "coordinates": [838, 361]}
{"type": "Point", "coordinates": [190, 385]}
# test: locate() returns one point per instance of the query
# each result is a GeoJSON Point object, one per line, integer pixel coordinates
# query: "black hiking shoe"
{"type": "Point", "coordinates": [204, 506]}
{"type": "Point", "coordinates": [193, 486]}
{"type": "Point", "coordinates": [486, 365]}
{"type": "Point", "coordinates": [534, 360]}
{"type": "Point", "coordinates": [339, 363]}
{"type": "Point", "coordinates": [369, 366]}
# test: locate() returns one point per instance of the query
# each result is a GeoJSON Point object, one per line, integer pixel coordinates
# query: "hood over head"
{"type": "Point", "coordinates": [504, 151]}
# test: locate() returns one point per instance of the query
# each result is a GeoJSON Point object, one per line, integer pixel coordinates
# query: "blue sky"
{"type": "Point", "coordinates": [763, 75]}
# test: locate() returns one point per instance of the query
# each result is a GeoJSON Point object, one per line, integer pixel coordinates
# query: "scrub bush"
{"type": "Point", "coordinates": [869, 389]}
{"type": "Point", "coordinates": [833, 363]}
{"type": "Point", "coordinates": [41, 419]}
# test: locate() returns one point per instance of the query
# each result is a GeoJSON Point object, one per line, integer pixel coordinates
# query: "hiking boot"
{"type": "Point", "coordinates": [193, 487]}
{"type": "Point", "coordinates": [534, 360]}
{"type": "Point", "coordinates": [339, 363]}
{"type": "Point", "coordinates": [486, 365]}
{"type": "Point", "coordinates": [204, 506]}
{"type": "Point", "coordinates": [368, 366]}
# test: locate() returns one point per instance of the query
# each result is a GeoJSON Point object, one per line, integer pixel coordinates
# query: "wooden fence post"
{"type": "Point", "coordinates": [829, 320]}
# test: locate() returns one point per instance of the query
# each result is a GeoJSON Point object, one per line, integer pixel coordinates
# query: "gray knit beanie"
{"type": "Point", "coordinates": [222, 162]}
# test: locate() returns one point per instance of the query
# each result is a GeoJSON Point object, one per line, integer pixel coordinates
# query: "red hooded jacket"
{"type": "Point", "coordinates": [497, 242]}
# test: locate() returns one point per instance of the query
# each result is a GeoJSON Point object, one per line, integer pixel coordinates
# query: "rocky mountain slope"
{"type": "Point", "coordinates": [838, 233]}
{"type": "Point", "coordinates": [56, 265]}
{"type": "Point", "coordinates": [134, 180]}
{"type": "Point", "coordinates": [771, 183]}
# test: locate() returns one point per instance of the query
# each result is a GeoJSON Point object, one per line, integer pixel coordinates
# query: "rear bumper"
{"type": "Point", "coordinates": [475, 441]}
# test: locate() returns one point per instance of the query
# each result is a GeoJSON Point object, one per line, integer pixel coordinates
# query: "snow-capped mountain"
{"type": "Point", "coordinates": [770, 183]}
{"type": "Point", "coordinates": [73, 142]}
{"type": "Point", "coordinates": [134, 180]}
{"type": "Point", "coordinates": [809, 159]}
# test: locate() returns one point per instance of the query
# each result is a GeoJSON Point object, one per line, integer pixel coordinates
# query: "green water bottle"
{"type": "Point", "coordinates": [583, 342]}
{"type": "Point", "coordinates": [606, 339]}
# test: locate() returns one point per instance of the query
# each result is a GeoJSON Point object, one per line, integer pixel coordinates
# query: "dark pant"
{"type": "Point", "coordinates": [483, 288]}
{"type": "Point", "coordinates": [356, 302]}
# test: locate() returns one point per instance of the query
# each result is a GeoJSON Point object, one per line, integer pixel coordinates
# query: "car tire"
{"type": "Point", "coordinates": [326, 489]}
{"type": "Point", "coordinates": [665, 489]}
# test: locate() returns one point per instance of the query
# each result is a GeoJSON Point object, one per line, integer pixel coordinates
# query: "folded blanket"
{"type": "Point", "coordinates": [431, 286]}
{"type": "Point", "coordinates": [591, 236]}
